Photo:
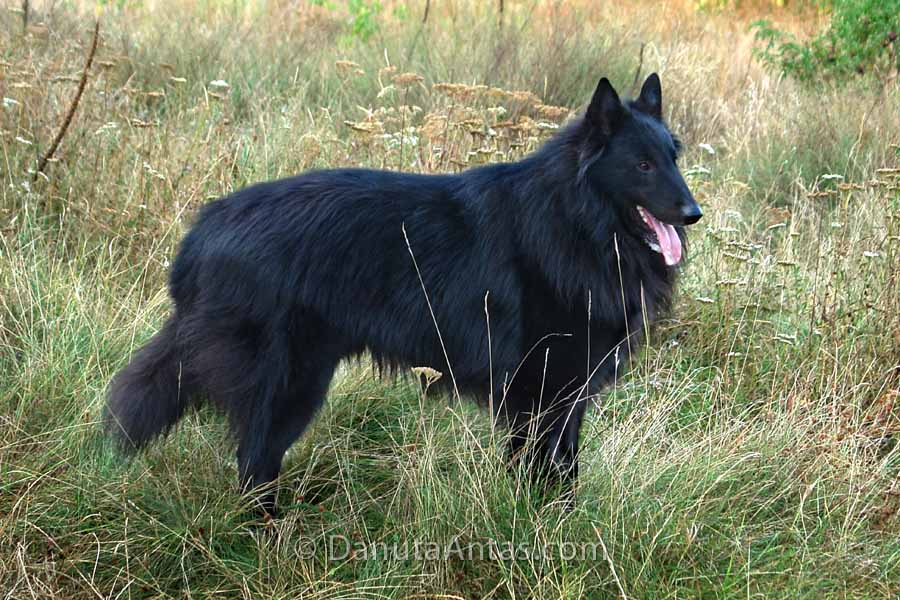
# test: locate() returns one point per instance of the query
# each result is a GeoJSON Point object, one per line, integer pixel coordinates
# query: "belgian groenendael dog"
{"type": "Point", "coordinates": [525, 283]}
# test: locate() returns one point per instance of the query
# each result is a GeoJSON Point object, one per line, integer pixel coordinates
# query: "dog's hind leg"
{"type": "Point", "coordinates": [245, 370]}
{"type": "Point", "coordinates": [295, 365]}
{"type": "Point", "coordinates": [261, 453]}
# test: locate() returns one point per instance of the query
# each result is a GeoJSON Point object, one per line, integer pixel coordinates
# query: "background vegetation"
{"type": "Point", "coordinates": [860, 38]}
{"type": "Point", "coordinates": [751, 453]}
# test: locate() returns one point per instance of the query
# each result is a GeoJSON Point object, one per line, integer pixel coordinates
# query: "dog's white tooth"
{"type": "Point", "coordinates": [655, 247]}
{"type": "Point", "coordinates": [643, 214]}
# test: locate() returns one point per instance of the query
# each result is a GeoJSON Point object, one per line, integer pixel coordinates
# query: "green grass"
{"type": "Point", "coordinates": [751, 452]}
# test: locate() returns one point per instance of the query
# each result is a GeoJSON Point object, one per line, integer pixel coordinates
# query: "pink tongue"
{"type": "Point", "coordinates": [669, 242]}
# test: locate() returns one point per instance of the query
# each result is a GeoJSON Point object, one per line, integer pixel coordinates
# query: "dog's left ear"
{"type": "Point", "coordinates": [650, 100]}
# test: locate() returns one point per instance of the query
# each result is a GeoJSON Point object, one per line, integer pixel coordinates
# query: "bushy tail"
{"type": "Point", "coordinates": [147, 397]}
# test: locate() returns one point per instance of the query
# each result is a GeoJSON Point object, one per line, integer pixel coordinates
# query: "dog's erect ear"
{"type": "Point", "coordinates": [650, 100]}
{"type": "Point", "coordinates": [605, 111]}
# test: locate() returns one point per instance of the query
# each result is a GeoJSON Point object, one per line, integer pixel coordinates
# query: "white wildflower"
{"type": "Point", "coordinates": [386, 90]}
{"type": "Point", "coordinates": [697, 170]}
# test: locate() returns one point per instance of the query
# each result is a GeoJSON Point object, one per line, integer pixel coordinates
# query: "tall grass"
{"type": "Point", "coordinates": [750, 453]}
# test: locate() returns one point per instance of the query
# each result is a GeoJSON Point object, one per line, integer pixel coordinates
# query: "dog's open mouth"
{"type": "Point", "coordinates": [663, 237]}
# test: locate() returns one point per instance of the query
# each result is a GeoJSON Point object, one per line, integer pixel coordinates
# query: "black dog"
{"type": "Point", "coordinates": [526, 283]}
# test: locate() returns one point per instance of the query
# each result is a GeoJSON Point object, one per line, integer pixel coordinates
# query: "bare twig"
{"type": "Point", "coordinates": [24, 16]}
{"type": "Point", "coordinates": [415, 42]}
{"type": "Point", "coordinates": [500, 18]}
{"type": "Point", "coordinates": [637, 73]}
{"type": "Point", "coordinates": [73, 106]}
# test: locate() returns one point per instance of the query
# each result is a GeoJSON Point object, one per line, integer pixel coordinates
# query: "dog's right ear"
{"type": "Point", "coordinates": [605, 112]}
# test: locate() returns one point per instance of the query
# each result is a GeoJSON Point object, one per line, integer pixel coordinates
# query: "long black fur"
{"type": "Point", "coordinates": [278, 282]}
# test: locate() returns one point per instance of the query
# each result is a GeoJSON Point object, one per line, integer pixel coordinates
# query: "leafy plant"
{"type": "Point", "coordinates": [365, 17]}
{"type": "Point", "coordinates": [861, 38]}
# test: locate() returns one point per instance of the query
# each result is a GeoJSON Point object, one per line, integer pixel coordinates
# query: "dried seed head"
{"type": "Point", "coordinates": [460, 91]}
{"type": "Point", "coordinates": [407, 79]}
{"type": "Point", "coordinates": [430, 375]}
{"type": "Point", "coordinates": [553, 113]}
{"type": "Point", "coordinates": [346, 66]}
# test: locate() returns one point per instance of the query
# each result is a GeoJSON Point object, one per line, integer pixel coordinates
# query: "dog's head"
{"type": "Point", "coordinates": [629, 157]}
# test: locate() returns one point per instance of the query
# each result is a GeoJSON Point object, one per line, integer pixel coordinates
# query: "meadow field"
{"type": "Point", "coordinates": [750, 453]}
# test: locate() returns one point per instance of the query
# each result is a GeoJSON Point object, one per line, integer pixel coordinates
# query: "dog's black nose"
{"type": "Point", "coordinates": [691, 213]}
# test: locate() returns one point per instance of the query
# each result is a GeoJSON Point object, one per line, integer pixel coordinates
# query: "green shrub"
{"type": "Point", "coordinates": [363, 15]}
{"type": "Point", "coordinates": [861, 38]}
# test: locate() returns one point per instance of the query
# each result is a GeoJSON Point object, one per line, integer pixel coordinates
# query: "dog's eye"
{"type": "Point", "coordinates": [645, 166]}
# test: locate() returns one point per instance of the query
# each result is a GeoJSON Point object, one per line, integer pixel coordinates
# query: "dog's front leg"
{"type": "Point", "coordinates": [562, 443]}
{"type": "Point", "coordinates": [547, 444]}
